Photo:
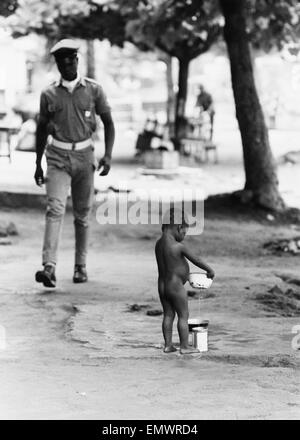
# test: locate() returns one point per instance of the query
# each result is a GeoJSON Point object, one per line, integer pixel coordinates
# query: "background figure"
{"type": "Point", "coordinates": [205, 104]}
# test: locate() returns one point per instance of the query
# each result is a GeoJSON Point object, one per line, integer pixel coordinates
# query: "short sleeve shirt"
{"type": "Point", "coordinates": [72, 116]}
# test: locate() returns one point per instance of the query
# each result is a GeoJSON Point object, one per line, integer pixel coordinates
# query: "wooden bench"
{"type": "Point", "coordinates": [210, 146]}
{"type": "Point", "coordinates": [199, 148]}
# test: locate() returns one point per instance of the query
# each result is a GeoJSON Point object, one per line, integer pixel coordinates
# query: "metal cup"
{"type": "Point", "coordinates": [200, 338]}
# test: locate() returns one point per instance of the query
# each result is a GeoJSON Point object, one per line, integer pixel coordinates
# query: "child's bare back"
{"type": "Point", "coordinates": [172, 265]}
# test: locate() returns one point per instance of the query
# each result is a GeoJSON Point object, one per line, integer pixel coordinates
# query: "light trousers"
{"type": "Point", "coordinates": [68, 169]}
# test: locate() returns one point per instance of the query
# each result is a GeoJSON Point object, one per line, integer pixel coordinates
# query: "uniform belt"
{"type": "Point", "coordinates": [71, 145]}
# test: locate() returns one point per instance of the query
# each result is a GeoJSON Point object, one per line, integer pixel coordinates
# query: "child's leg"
{"type": "Point", "coordinates": [180, 304]}
{"type": "Point", "coordinates": [167, 324]}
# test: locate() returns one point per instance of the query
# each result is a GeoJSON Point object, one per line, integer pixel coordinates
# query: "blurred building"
{"type": "Point", "coordinates": [13, 76]}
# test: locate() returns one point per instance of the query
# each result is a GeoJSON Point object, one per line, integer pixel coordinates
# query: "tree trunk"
{"type": "Point", "coordinates": [180, 121]}
{"type": "Point", "coordinates": [170, 109]}
{"type": "Point", "coordinates": [171, 95]}
{"type": "Point", "coordinates": [90, 59]}
{"type": "Point", "coordinates": [260, 169]}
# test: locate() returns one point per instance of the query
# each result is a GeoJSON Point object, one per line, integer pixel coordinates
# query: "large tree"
{"type": "Point", "coordinates": [260, 23]}
{"type": "Point", "coordinates": [266, 24]}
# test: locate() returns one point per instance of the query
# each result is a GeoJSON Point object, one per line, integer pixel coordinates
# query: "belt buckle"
{"type": "Point", "coordinates": [73, 146]}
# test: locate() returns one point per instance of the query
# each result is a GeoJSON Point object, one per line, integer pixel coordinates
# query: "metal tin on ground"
{"type": "Point", "coordinates": [200, 338]}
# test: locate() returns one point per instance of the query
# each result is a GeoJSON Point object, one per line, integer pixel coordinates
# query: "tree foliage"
{"type": "Point", "coordinates": [179, 27]}
{"type": "Point", "coordinates": [44, 17]}
{"type": "Point", "coordinates": [272, 23]}
{"type": "Point", "coordinates": [8, 7]}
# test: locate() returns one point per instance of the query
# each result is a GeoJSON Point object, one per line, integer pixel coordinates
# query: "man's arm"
{"type": "Point", "coordinates": [40, 144]}
{"type": "Point", "coordinates": [41, 140]}
{"type": "Point", "coordinates": [109, 138]}
{"type": "Point", "coordinates": [197, 261]}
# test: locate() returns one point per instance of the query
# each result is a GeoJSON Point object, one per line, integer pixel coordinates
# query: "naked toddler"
{"type": "Point", "coordinates": [173, 272]}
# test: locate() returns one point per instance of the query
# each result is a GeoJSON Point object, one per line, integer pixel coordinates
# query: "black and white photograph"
{"type": "Point", "coordinates": [149, 213]}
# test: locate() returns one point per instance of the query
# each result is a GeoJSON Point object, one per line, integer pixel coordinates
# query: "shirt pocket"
{"type": "Point", "coordinates": [54, 108]}
{"type": "Point", "coordinates": [86, 107]}
{"type": "Point", "coordinates": [87, 110]}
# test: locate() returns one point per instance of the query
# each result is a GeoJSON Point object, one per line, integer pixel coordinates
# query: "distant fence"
{"type": "Point", "coordinates": [154, 107]}
{"type": "Point", "coordinates": [135, 114]}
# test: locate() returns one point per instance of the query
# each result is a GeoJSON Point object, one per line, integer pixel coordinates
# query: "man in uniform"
{"type": "Point", "coordinates": [67, 113]}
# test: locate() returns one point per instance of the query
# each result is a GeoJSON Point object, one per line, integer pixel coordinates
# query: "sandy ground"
{"type": "Point", "coordinates": [77, 352]}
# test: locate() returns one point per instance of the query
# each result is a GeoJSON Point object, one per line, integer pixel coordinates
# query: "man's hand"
{"type": "Point", "coordinates": [39, 175]}
{"type": "Point", "coordinates": [210, 274]}
{"type": "Point", "coordinates": [105, 163]}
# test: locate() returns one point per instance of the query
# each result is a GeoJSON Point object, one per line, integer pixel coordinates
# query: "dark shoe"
{"type": "Point", "coordinates": [46, 276]}
{"type": "Point", "coordinates": [80, 274]}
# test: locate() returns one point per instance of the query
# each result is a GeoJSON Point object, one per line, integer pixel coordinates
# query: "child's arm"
{"type": "Point", "coordinates": [197, 261]}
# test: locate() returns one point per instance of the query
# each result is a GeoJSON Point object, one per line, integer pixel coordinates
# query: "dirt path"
{"type": "Point", "coordinates": [78, 352]}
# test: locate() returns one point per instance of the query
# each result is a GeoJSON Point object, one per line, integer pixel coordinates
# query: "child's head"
{"type": "Point", "coordinates": [174, 221]}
